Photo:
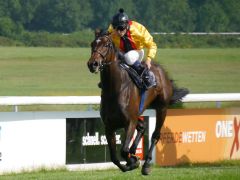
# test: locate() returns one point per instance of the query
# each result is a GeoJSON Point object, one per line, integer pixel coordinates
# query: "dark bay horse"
{"type": "Point", "coordinates": [120, 101]}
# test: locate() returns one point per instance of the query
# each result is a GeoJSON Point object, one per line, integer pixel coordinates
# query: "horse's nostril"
{"type": "Point", "coordinates": [95, 64]}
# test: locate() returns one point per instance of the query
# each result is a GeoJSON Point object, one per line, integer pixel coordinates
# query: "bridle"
{"type": "Point", "coordinates": [104, 62]}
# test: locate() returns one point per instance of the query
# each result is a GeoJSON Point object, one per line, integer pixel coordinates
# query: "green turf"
{"type": "Point", "coordinates": [45, 71]}
{"type": "Point", "coordinates": [204, 70]}
{"type": "Point", "coordinates": [63, 71]}
{"type": "Point", "coordinates": [222, 170]}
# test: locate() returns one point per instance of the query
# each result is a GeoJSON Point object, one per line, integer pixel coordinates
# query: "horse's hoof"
{"type": "Point", "coordinates": [133, 162]}
{"type": "Point", "coordinates": [135, 165]}
{"type": "Point", "coordinates": [146, 169]}
{"type": "Point", "coordinates": [125, 168]}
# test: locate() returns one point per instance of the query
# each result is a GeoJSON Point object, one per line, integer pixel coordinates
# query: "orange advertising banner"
{"type": "Point", "coordinates": [199, 135]}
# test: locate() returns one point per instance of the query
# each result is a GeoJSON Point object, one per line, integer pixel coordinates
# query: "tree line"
{"type": "Point", "coordinates": [68, 16]}
{"type": "Point", "coordinates": [24, 19]}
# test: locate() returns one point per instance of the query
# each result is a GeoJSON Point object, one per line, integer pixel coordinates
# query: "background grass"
{"type": "Point", "coordinates": [63, 71]}
{"type": "Point", "coordinates": [45, 71]}
{"type": "Point", "coordinates": [204, 70]}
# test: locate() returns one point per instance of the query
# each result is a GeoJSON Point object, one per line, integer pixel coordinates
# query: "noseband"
{"type": "Point", "coordinates": [104, 62]}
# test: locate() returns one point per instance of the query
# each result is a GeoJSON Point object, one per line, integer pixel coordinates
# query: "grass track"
{"type": "Point", "coordinates": [63, 72]}
{"type": "Point", "coordinates": [226, 170]}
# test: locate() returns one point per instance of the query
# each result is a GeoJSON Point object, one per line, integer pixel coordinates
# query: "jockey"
{"type": "Point", "coordinates": [131, 37]}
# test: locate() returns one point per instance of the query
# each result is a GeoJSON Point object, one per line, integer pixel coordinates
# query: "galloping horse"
{"type": "Point", "coordinates": [120, 101]}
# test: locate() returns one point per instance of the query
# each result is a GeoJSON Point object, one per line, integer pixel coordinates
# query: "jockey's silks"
{"type": "Point", "coordinates": [138, 38]}
{"type": "Point", "coordinates": [126, 43]}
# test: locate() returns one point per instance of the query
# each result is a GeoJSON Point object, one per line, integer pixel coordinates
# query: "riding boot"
{"type": "Point", "coordinates": [100, 85]}
{"type": "Point", "coordinates": [147, 75]}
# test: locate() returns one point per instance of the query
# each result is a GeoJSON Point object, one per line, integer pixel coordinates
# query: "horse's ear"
{"type": "Point", "coordinates": [98, 32]}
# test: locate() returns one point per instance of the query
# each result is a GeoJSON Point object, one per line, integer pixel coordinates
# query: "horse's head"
{"type": "Point", "coordinates": [101, 52]}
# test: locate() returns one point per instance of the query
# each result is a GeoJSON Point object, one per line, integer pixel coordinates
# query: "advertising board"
{"type": "Point", "coordinates": [32, 140]}
{"type": "Point", "coordinates": [29, 140]}
{"type": "Point", "coordinates": [199, 135]}
{"type": "Point", "coordinates": [86, 141]}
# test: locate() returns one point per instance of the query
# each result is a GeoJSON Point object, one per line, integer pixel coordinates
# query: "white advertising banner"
{"type": "Point", "coordinates": [30, 142]}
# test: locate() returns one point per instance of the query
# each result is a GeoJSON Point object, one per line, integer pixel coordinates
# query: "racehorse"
{"type": "Point", "coordinates": [121, 98]}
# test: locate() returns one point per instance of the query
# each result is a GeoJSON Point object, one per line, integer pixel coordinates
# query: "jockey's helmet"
{"type": "Point", "coordinates": [120, 20]}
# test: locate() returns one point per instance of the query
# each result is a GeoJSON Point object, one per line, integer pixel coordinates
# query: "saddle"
{"type": "Point", "coordinates": [136, 78]}
{"type": "Point", "coordinates": [138, 81]}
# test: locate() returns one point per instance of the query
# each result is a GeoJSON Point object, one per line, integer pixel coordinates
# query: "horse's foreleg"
{"type": "Point", "coordinates": [161, 114]}
{"type": "Point", "coordinates": [110, 135]}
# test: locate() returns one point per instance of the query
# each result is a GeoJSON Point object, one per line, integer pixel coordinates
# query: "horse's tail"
{"type": "Point", "coordinates": [178, 94]}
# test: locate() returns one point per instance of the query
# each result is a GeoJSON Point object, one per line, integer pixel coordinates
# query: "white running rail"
{"type": "Point", "coordinates": [88, 100]}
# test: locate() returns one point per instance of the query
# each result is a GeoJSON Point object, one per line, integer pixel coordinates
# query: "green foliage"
{"type": "Point", "coordinates": [211, 17]}
{"type": "Point", "coordinates": [68, 16]}
{"type": "Point", "coordinates": [61, 16]}
{"type": "Point", "coordinates": [43, 38]}
{"type": "Point", "coordinates": [169, 16]}
{"type": "Point", "coordinates": [232, 10]}
{"type": "Point", "coordinates": [4, 41]}
{"type": "Point", "coordinates": [43, 22]}
{"type": "Point", "coordinates": [83, 38]}
{"type": "Point", "coordinates": [7, 27]}
{"type": "Point", "coordinates": [196, 41]}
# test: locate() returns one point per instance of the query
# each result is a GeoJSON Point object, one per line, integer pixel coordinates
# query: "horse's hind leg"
{"type": "Point", "coordinates": [110, 135]}
{"type": "Point", "coordinates": [141, 126]}
{"type": "Point", "coordinates": [161, 114]}
{"type": "Point", "coordinates": [125, 148]}
{"type": "Point", "coordinates": [134, 160]}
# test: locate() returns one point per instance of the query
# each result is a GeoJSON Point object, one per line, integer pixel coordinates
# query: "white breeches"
{"type": "Point", "coordinates": [132, 56]}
